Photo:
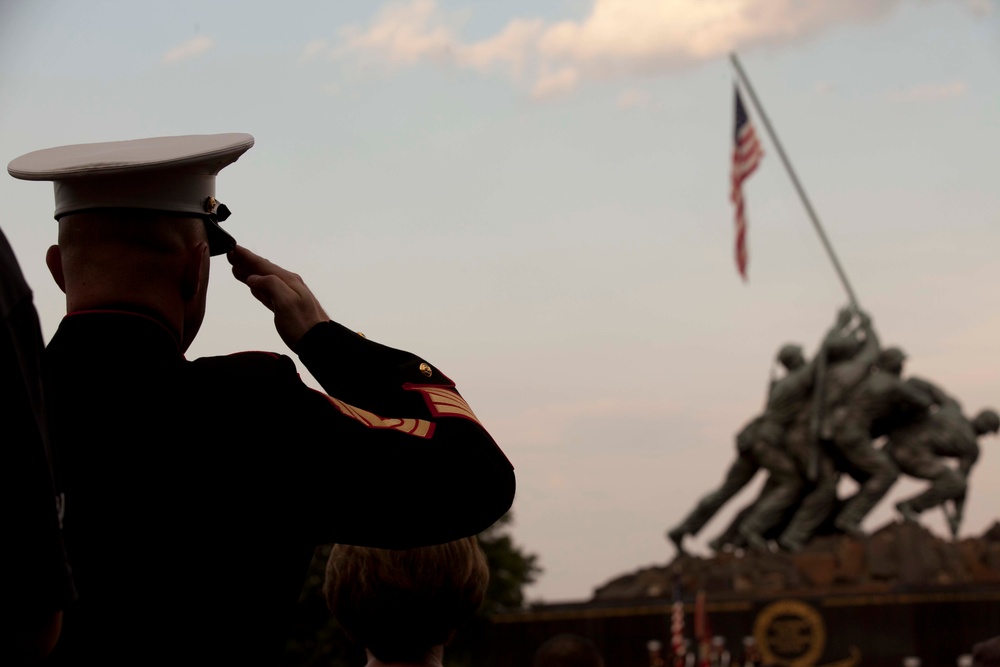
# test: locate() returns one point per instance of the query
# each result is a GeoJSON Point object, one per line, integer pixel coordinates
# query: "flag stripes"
{"type": "Point", "coordinates": [747, 153]}
{"type": "Point", "coordinates": [677, 627]}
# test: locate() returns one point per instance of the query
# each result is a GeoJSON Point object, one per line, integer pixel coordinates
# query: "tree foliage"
{"type": "Point", "coordinates": [511, 569]}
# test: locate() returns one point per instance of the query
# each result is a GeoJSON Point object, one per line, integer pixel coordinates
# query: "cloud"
{"type": "Point", "coordinates": [552, 84]}
{"type": "Point", "coordinates": [929, 92]}
{"type": "Point", "coordinates": [313, 50]}
{"type": "Point", "coordinates": [192, 48]}
{"type": "Point", "coordinates": [616, 39]}
{"type": "Point", "coordinates": [401, 34]}
{"type": "Point", "coordinates": [980, 7]}
{"type": "Point", "coordinates": [513, 47]}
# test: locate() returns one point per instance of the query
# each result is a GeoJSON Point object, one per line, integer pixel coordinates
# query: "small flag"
{"type": "Point", "coordinates": [702, 634]}
{"type": "Point", "coordinates": [746, 156]}
{"type": "Point", "coordinates": [677, 626]}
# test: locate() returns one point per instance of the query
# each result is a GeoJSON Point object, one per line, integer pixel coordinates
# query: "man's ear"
{"type": "Point", "coordinates": [196, 263]}
{"type": "Point", "coordinates": [53, 260]}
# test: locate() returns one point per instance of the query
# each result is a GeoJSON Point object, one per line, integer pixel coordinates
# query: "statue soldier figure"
{"type": "Point", "coordinates": [785, 484]}
{"type": "Point", "coordinates": [842, 374]}
{"type": "Point", "coordinates": [881, 397]}
{"type": "Point", "coordinates": [762, 443]}
{"type": "Point", "coordinates": [821, 420]}
{"type": "Point", "coordinates": [800, 417]}
{"type": "Point", "coordinates": [918, 447]}
{"type": "Point", "coordinates": [756, 448]}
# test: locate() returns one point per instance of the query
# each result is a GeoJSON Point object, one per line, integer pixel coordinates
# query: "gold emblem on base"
{"type": "Point", "coordinates": [790, 634]}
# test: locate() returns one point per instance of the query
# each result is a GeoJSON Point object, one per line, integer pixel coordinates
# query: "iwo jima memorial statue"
{"type": "Point", "coordinates": [794, 578]}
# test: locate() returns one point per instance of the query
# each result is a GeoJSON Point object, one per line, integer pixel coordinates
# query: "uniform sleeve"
{"type": "Point", "coordinates": [395, 456]}
{"type": "Point", "coordinates": [359, 371]}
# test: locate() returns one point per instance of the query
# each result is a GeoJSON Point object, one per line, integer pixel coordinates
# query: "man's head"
{"type": "Point", "coordinates": [118, 259]}
{"type": "Point", "coordinates": [135, 218]}
{"type": "Point", "coordinates": [401, 604]}
{"type": "Point", "coordinates": [790, 356]}
{"type": "Point", "coordinates": [987, 421]}
{"type": "Point", "coordinates": [890, 360]}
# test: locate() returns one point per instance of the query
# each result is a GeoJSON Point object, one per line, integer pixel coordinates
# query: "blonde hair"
{"type": "Point", "coordinates": [400, 603]}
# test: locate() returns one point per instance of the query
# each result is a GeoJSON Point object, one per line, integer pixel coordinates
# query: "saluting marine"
{"type": "Point", "coordinates": [185, 480]}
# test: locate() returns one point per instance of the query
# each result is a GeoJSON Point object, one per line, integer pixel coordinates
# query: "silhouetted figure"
{"type": "Point", "coordinates": [37, 584]}
{"type": "Point", "coordinates": [404, 606]}
{"type": "Point", "coordinates": [185, 480]}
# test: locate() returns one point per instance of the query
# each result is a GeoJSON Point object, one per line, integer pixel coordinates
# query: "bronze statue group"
{"type": "Point", "coordinates": [847, 411]}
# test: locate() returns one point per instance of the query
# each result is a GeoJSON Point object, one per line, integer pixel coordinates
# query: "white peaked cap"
{"type": "Point", "coordinates": [172, 174]}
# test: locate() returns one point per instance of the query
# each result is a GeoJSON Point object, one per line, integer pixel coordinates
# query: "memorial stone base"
{"type": "Point", "coordinates": [899, 592]}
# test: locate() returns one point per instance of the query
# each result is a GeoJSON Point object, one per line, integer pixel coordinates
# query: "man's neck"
{"type": "Point", "coordinates": [127, 307]}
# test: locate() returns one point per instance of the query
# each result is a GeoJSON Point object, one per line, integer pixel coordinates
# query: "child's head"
{"type": "Point", "coordinates": [399, 604]}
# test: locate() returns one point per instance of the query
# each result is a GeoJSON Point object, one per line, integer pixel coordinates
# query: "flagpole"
{"type": "Point", "coordinates": [795, 180]}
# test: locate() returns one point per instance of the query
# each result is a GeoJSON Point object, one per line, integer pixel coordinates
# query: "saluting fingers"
{"type": "Point", "coordinates": [284, 293]}
{"type": "Point", "coordinates": [247, 263]}
{"type": "Point", "coordinates": [272, 291]}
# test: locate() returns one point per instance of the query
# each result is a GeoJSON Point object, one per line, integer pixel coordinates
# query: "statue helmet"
{"type": "Point", "coordinates": [789, 354]}
{"type": "Point", "coordinates": [891, 357]}
{"type": "Point", "coordinates": [987, 421]}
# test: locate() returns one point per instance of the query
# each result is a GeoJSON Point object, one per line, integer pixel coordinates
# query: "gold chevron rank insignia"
{"type": "Point", "coordinates": [443, 401]}
{"type": "Point", "coordinates": [420, 428]}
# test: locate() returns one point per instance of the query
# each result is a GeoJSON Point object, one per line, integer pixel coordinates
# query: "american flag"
{"type": "Point", "coordinates": [677, 627]}
{"type": "Point", "coordinates": [702, 634]}
{"type": "Point", "coordinates": [746, 156]}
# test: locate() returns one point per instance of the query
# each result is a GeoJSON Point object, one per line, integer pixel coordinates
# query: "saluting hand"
{"type": "Point", "coordinates": [295, 308]}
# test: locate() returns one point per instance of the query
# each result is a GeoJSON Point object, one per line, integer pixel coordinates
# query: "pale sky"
{"type": "Point", "coordinates": [534, 197]}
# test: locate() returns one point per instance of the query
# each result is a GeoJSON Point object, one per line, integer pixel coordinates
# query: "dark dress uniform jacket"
{"type": "Point", "coordinates": [197, 491]}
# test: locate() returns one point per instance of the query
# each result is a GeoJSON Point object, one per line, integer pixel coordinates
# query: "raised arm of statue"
{"type": "Point", "coordinates": [847, 374]}
{"type": "Point", "coordinates": [842, 343]}
{"type": "Point", "coordinates": [839, 342]}
{"type": "Point", "coordinates": [869, 351]}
